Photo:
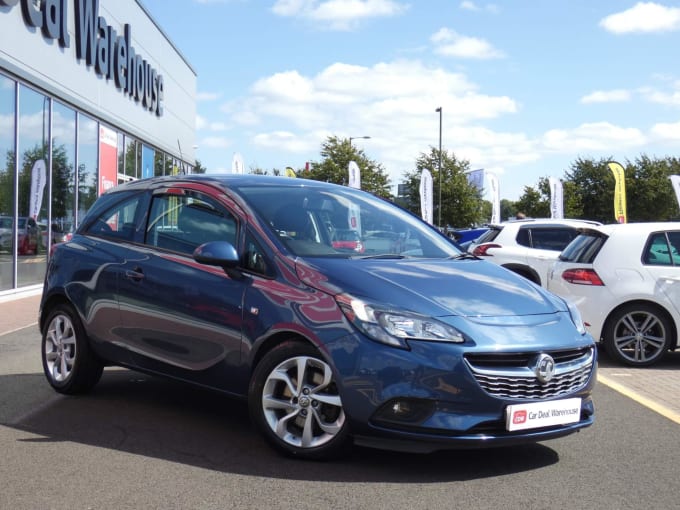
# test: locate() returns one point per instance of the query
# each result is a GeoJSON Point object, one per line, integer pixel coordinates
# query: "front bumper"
{"type": "Point", "coordinates": [437, 400]}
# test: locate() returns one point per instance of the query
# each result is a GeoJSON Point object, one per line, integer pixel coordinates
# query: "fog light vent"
{"type": "Point", "coordinates": [405, 411]}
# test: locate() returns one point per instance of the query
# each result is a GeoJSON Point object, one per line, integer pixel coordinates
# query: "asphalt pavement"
{"type": "Point", "coordinates": [656, 387]}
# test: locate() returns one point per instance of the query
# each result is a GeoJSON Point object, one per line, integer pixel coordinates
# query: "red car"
{"type": "Point", "coordinates": [348, 240]}
{"type": "Point", "coordinates": [28, 235]}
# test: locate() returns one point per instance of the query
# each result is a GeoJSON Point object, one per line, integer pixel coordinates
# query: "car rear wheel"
{"type": "Point", "coordinates": [68, 363]}
{"type": "Point", "coordinates": [294, 402]}
{"type": "Point", "coordinates": [638, 335]}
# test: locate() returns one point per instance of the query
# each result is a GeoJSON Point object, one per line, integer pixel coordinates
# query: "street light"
{"type": "Point", "coordinates": [357, 138]}
{"type": "Point", "coordinates": [440, 165]}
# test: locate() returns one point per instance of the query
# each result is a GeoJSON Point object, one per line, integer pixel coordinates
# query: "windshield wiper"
{"type": "Point", "coordinates": [382, 256]}
{"type": "Point", "coordinates": [464, 256]}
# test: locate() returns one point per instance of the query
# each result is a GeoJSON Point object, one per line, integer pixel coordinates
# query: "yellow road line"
{"type": "Point", "coordinates": [654, 406]}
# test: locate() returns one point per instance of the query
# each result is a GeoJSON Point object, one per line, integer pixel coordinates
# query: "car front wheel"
{"type": "Point", "coordinates": [68, 363]}
{"type": "Point", "coordinates": [638, 335]}
{"type": "Point", "coordinates": [294, 402]}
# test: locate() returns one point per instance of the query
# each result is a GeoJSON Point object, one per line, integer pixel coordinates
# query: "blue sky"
{"type": "Point", "coordinates": [526, 86]}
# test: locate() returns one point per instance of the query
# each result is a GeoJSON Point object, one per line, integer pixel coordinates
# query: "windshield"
{"type": "Point", "coordinates": [338, 221]}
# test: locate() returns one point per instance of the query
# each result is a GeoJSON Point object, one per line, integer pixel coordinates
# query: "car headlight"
{"type": "Point", "coordinates": [576, 317]}
{"type": "Point", "coordinates": [394, 327]}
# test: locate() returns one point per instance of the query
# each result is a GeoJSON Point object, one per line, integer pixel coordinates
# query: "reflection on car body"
{"type": "Point", "coordinates": [234, 283]}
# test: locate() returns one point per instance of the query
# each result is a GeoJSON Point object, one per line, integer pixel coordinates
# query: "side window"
{"type": "Point", "coordinates": [253, 256]}
{"type": "Point", "coordinates": [183, 222]}
{"type": "Point", "coordinates": [555, 239]}
{"type": "Point", "coordinates": [661, 252]}
{"type": "Point", "coordinates": [674, 240]}
{"type": "Point", "coordinates": [523, 237]}
{"type": "Point", "coordinates": [118, 221]}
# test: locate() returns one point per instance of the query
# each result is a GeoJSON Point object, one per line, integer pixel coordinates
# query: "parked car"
{"type": "Point", "coordinates": [528, 246]}
{"type": "Point", "coordinates": [466, 235]}
{"type": "Point", "coordinates": [59, 234]}
{"type": "Point", "coordinates": [625, 279]}
{"type": "Point", "coordinates": [28, 235]}
{"type": "Point", "coordinates": [347, 239]}
{"type": "Point", "coordinates": [232, 283]}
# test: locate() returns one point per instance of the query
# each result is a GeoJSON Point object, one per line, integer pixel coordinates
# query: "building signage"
{"type": "Point", "coordinates": [99, 45]}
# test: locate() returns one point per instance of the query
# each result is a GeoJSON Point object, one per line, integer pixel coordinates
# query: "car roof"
{"type": "Point", "coordinates": [223, 181]}
{"type": "Point", "coordinates": [546, 222]}
{"type": "Point", "coordinates": [635, 228]}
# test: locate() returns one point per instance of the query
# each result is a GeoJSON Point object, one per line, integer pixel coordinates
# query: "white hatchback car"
{"type": "Point", "coordinates": [625, 281]}
{"type": "Point", "coordinates": [528, 247]}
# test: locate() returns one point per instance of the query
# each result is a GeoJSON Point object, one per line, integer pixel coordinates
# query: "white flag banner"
{"type": "Point", "coordinates": [38, 181]}
{"type": "Point", "coordinates": [476, 178]}
{"type": "Point", "coordinates": [354, 175]}
{"type": "Point", "coordinates": [426, 196]}
{"type": "Point", "coordinates": [556, 198]}
{"type": "Point", "coordinates": [237, 166]}
{"type": "Point", "coordinates": [495, 198]}
{"type": "Point", "coordinates": [675, 181]}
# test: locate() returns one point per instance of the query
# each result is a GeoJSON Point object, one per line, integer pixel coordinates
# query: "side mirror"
{"type": "Point", "coordinates": [217, 253]}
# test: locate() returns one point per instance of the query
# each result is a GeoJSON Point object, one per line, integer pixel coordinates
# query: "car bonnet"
{"type": "Point", "coordinates": [433, 287]}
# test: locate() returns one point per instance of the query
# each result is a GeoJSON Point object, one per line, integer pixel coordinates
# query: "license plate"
{"type": "Point", "coordinates": [542, 414]}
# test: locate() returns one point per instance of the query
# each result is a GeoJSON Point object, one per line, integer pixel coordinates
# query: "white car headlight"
{"type": "Point", "coordinates": [394, 327]}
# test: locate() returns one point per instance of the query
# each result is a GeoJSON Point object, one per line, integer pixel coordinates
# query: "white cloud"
{"type": "Point", "coordinates": [338, 14]}
{"type": "Point", "coordinates": [451, 44]}
{"type": "Point", "coordinates": [593, 137]}
{"type": "Point", "coordinates": [667, 131]}
{"type": "Point", "coordinates": [664, 98]}
{"type": "Point", "coordinates": [607, 96]}
{"type": "Point", "coordinates": [643, 17]}
{"type": "Point", "coordinates": [467, 5]}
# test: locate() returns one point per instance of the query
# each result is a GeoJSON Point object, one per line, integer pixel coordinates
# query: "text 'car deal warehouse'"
{"type": "Point", "coordinates": [92, 93]}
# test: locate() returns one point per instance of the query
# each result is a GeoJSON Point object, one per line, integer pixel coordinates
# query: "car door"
{"type": "Point", "coordinates": [661, 260]}
{"type": "Point", "coordinates": [180, 317]}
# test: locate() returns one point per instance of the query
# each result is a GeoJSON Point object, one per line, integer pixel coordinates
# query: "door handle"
{"type": "Point", "coordinates": [135, 274]}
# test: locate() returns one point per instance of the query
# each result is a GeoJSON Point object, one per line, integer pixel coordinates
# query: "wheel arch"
{"type": "Point", "coordinates": [265, 345]}
{"type": "Point", "coordinates": [674, 333]}
{"type": "Point", "coordinates": [49, 304]}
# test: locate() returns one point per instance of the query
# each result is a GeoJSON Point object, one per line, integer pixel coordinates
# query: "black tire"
{"type": "Point", "coordinates": [302, 419]}
{"type": "Point", "coordinates": [638, 334]}
{"type": "Point", "coordinates": [68, 362]}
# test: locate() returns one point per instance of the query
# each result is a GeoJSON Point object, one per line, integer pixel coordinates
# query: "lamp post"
{"type": "Point", "coordinates": [440, 165]}
{"type": "Point", "coordinates": [357, 138]}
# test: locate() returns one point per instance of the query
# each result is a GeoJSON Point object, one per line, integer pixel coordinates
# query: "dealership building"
{"type": "Point", "coordinates": [93, 93]}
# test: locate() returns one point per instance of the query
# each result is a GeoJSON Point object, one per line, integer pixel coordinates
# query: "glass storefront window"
{"type": "Point", "coordinates": [7, 164]}
{"type": "Point", "coordinates": [88, 156]}
{"type": "Point", "coordinates": [130, 160]}
{"type": "Point", "coordinates": [34, 165]}
{"type": "Point", "coordinates": [159, 164]}
{"type": "Point", "coordinates": [63, 211]}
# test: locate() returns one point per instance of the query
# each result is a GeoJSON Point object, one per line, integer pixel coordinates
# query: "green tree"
{"type": "Point", "coordinates": [336, 155]}
{"type": "Point", "coordinates": [592, 185]}
{"type": "Point", "coordinates": [461, 202]}
{"type": "Point", "coordinates": [199, 168]}
{"type": "Point", "coordinates": [535, 202]}
{"type": "Point", "coordinates": [649, 193]}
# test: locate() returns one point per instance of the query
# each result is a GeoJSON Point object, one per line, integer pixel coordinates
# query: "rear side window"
{"type": "Point", "coordinates": [663, 249]}
{"type": "Point", "coordinates": [555, 239]}
{"type": "Point", "coordinates": [116, 222]}
{"type": "Point", "coordinates": [584, 248]}
{"type": "Point", "coordinates": [489, 235]}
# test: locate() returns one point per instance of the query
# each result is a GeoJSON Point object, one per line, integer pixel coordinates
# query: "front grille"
{"type": "Point", "coordinates": [514, 376]}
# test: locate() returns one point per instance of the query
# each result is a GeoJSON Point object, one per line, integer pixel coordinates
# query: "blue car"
{"type": "Point", "coordinates": [233, 283]}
